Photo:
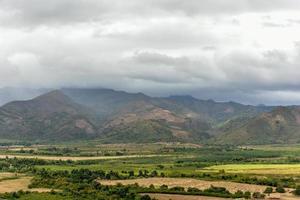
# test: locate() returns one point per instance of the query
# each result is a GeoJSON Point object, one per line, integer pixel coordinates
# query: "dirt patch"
{"type": "Point", "coordinates": [182, 197]}
{"type": "Point", "coordinates": [186, 182]}
{"type": "Point", "coordinates": [200, 184]}
{"type": "Point", "coordinates": [7, 175]}
{"type": "Point", "coordinates": [19, 184]}
{"type": "Point", "coordinates": [79, 158]}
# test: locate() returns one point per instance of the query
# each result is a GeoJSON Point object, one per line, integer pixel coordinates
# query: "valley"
{"type": "Point", "coordinates": [107, 144]}
{"type": "Point", "coordinates": [161, 170]}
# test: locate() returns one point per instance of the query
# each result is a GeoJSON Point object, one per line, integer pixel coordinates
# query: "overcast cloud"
{"type": "Point", "coordinates": [240, 50]}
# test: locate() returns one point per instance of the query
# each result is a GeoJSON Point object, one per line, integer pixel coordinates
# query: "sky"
{"type": "Point", "coordinates": [227, 50]}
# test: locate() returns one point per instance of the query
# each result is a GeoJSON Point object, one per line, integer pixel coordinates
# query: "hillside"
{"type": "Point", "coordinates": [116, 116]}
{"type": "Point", "coordinates": [52, 116]}
{"type": "Point", "coordinates": [282, 125]}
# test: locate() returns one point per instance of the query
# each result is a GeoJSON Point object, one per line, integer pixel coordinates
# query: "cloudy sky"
{"type": "Point", "coordinates": [241, 50]}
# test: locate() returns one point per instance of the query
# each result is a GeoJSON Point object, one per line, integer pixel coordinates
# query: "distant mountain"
{"type": "Point", "coordinates": [282, 125]}
{"type": "Point", "coordinates": [187, 118]}
{"type": "Point", "coordinates": [218, 112]}
{"type": "Point", "coordinates": [52, 116]}
{"type": "Point", "coordinates": [116, 116]}
{"type": "Point", "coordinates": [104, 102]}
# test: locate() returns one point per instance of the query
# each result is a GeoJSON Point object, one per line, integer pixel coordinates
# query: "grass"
{"type": "Point", "coordinates": [15, 183]}
{"type": "Point", "coordinates": [260, 169]}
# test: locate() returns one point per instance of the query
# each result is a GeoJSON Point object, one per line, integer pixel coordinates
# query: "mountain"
{"type": "Point", "coordinates": [52, 116]}
{"type": "Point", "coordinates": [116, 117]}
{"type": "Point", "coordinates": [104, 102]}
{"type": "Point", "coordinates": [187, 118]}
{"type": "Point", "coordinates": [218, 112]}
{"type": "Point", "coordinates": [282, 125]}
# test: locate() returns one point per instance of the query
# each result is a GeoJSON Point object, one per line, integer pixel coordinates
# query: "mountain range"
{"type": "Point", "coordinates": [119, 117]}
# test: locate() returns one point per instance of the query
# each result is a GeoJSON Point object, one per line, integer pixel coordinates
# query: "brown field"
{"type": "Point", "coordinates": [191, 197]}
{"type": "Point", "coordinates": [21, 183]}
{"type": "Point", "coordinates": [78, 158]}
{"type": "Point", "coordinates": [7, 175]}
{"type": "Point", "coordinates": [187, 182]}
{"type": "Point", "coordinates": [182, 197]}
{"type": "Point", "coordinates": [200, 184]}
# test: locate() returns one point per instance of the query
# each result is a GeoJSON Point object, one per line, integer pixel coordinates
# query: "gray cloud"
{"type": "Point", "coordinates": [244, 50]}
{"type": "Point", "coordinates": [64, 11]}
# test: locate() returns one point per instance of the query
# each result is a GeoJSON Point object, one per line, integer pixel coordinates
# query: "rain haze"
{"type": "Point", "coordinates": [227, 50]}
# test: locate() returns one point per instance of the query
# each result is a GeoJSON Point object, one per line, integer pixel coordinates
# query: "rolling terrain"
{"type": "Point", "coordinates": [282, 125]}
{"type": "Point", "coordinates": [119, 117]}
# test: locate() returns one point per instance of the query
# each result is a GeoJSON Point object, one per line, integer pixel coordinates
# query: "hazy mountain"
{"type": "Point", "coordinates": [282, 125]}
{"type": "Point", "coordinates": [52, 116]}
{"type": "Point", "coordinates": [117, 116]}
{"type": "Point", "coordinates": [218, 112]}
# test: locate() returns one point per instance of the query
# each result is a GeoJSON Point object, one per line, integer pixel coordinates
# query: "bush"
{"type": "Point", "coordinates": [268, 190]}
{"type": "Point", "coordinates": [297, 191]}
{"type": "Point", "coordinates": [191, 189]}
{"type": "Point", "coordinates": [258, 195]}
{"type": "Point", "coordinates": [247, 195]}
{"type": "Point", "coordinates": [280, 189]}
{"type": "Point", "coordinates": [177, 189]}
{"type": "Point", "coordinates": [163, 187]}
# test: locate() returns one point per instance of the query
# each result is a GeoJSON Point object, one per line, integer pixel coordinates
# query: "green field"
{"type": "Point", "coordinates": [75, 164]}
{"type": "Point", "coordinates": [260, 169]}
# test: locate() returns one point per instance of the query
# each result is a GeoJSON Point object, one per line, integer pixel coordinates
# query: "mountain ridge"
{"type": "Point", "coordinates": [117, 116]}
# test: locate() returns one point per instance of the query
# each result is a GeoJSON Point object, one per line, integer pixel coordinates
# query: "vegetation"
{"type": "Point", "coordinates": [69, 178]}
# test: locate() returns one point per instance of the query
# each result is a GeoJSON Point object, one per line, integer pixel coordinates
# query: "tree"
{"type": "Point", "coordinates": [268, 190]}
{"type": "Point", "coordinates": [258, 195]}
{"type": "Point", "coordinates": [163, 187]}
{"type": "Point", "coordinates": [131, 173]}
{"type": "Point", "coordinates": [247, 195]}
{"type": "Point", "coordinates": [280, 189]}
{"type": "Point", "coordinates": [297, 191]}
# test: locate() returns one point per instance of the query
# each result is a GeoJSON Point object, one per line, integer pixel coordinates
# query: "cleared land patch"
{"type": "Point", "coordinates": [261, 169]}
{"type": "Point", "coordinates": [13, 185]}
{"type": "Point", "coordinates": [78, 158]}
{"type": "Point", "coordinates": [187, 182]}
{"type": "Point", "coordinates": [182, 197]}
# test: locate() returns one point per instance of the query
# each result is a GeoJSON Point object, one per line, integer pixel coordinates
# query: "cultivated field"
{"type": "Point", "coordinates": [11, 183]}
{"type": "Point", "coordinates": [187, 182]}
{"type": "Point", "coordinates": [260, 169]}
{"type": "Point", "coordinates": [77, 158]}
{"type": "Point", "coordinates": [191, 197]}
{"type": "Point", "coordinates": [182, 197]}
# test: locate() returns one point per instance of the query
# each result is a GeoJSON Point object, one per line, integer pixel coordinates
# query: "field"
{"type": "Point", "coordinates": [259, 169]}
{"type": "Point", "coordinates": [191, 197]}
{"type": "Point", "coordinates": [10, 182]}
{"type": "Point", "coordinates": [250, 169]}
{"type": "Point", "coordinates": [76, 158]}
{"type": "Point", "coordinates": [182, 197]}
{"type": "Point", "coordinates": [186, 183]}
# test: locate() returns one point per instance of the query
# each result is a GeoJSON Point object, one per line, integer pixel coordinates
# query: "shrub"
{"type": "Point", "coordinates": [191, 189]}
{"type": "Point", "coordinates": [247, 195]}
{"type": "Point", "coordinates": [297, 191]}
{"type": "Point", "coordinates": [280, 189]}
{"type": "Point", "coordinates": [268, 190]}
{"type": "Point", "coordinates": [258, 195]}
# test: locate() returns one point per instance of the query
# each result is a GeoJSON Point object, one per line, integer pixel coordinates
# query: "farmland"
{"type": "Point", "coordinates": [259, 169]}
{"type": "Point", "coordinates": [232, 171]}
